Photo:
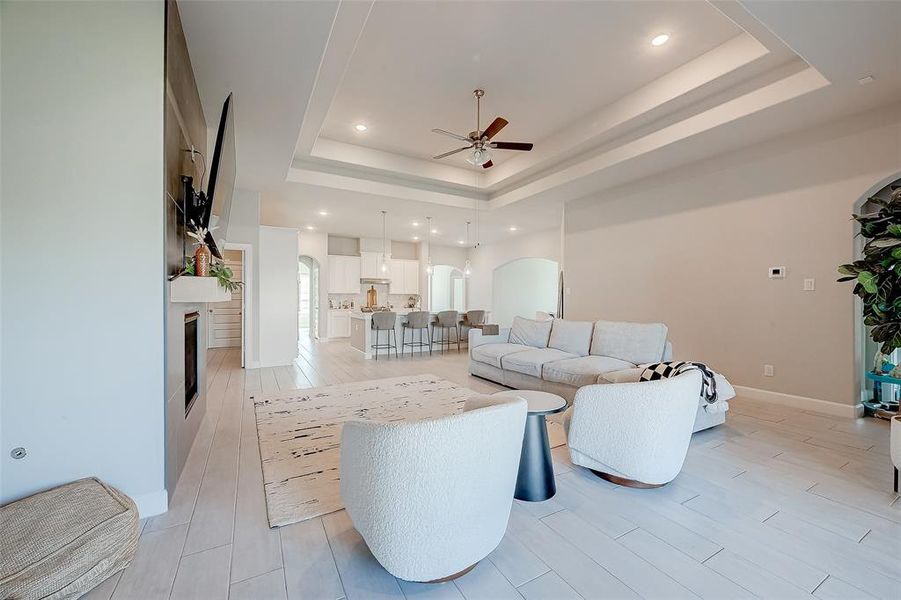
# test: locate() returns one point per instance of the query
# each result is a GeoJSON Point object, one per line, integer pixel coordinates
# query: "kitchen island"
{"type": "Point", "coordinates": [362, 336]}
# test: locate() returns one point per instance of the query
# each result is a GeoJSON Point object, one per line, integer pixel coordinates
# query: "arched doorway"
{"type": "Point", "coordinates": [866, 348]}
{"type": "Point", "coordinates": [447, 289]}
{"type": "Point", "coordinates": [523, 287]}
{"type": "Point", "coordinates": [308, 306]}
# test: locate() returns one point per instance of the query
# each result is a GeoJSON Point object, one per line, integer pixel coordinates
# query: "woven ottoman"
{"type": "Point", "coordinates": [65, 541]}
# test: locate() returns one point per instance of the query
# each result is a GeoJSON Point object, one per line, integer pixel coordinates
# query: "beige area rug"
{"type": "Point", "coordinates": [300, 433]}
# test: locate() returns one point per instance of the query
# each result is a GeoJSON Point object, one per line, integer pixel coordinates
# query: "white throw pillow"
{"type": "Point", "coordinates": [637, 343]}
{"type": "Point", "coordinates": [530, 332]}
{"type": "Point", "coordinates": [571, 336]}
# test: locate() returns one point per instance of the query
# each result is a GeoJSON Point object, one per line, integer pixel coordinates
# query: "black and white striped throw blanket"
{"type": "Point", "coordinates": [671, 369]}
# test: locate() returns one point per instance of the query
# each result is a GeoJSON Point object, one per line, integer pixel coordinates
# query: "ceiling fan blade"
{"type": "Point", "coordinates": [524, 146]}
{"type": "Point", "coordinates": [453, 135]}
{"type": "Point", "coordinates": [495, 127]}
{"type": "Point", "coordinates": [488, 165]}
{"type": "Point", "coordinates": [452, 152]}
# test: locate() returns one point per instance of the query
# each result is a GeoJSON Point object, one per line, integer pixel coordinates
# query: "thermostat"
{"type": "Point", "coordinates": [777, 272]}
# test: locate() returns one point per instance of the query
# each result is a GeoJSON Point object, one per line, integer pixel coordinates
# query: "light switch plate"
{"type": "Point", "coordinates": [810, 285]}
{"type": "Point", "coordinates": [768, 371]}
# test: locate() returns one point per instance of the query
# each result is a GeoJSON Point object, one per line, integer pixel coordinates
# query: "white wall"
{"type": "Point", "coordinates": [244, 228]}
{"type": "Point", "coordinates": [83, 268]}
{"type": "Point", "coordinates": [523, 287]}
{"type": "Point", "coordinates": [487, 257]}
{"type": "Point", "coordinates": [692, 248]}
{"type": "Point", "coordinates": [279, 301]}
{"type": "Point", "coordinates": [315, 245]}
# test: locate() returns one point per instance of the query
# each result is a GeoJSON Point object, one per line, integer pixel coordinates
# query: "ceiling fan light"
{"type": "Point", "coordinates": [479, 156]}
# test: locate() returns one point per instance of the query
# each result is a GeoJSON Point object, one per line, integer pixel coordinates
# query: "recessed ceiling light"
{"type": "Point", "coordinates": [360, 127]}
{"type": "Point", "coordinates": [434, 232]}
{"type": "Point", "coordinates": [659, 40]}
{"type": "Point", "coordinates": [415, 238]}
{"type": "Point", "coordinates": [514, 228]}
{"type": "Point", "coordinates": [323, 213]}
{"type": "Point", "coordinates": [310, 228]}
{"type": "Point", "coordinates": [415, 223]}
{"type": "Point", "coordinates": [461, 241]}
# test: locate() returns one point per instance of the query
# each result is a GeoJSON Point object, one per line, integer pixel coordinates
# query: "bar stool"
{"type": "Point", "coordinates": [416, 321]}
{"type": "Point", "coordinates": [384, 321]}
{"type": "Point", "coordinates": [471, 320]}
{"type": "Point", "coordinates": [447, 320]}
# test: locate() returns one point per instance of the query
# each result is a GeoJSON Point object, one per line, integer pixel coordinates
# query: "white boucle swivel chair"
{"type": "Point", "coordinates": [634, 434]}
{"type": "Point", "coordinates": [432, 498]}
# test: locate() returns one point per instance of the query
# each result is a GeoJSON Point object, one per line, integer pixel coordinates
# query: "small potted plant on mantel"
{"type": "Point", "coordinates": [203, 264]}
{"type": "Point", "coordinates": [202, 255]}
{"type": "Point", "coordinates": [877, 278]}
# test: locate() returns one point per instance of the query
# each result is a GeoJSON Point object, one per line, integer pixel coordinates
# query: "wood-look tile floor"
{"type": "Point", "coordinates": [776, 503]}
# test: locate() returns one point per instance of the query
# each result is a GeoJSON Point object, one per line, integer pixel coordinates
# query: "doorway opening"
{"type": "Point", "coordinates": [308, 307]}
{"type": "Point", "coordinates": [878, 395]}
{"type": "Point", "coordinates": [447, 289]}
{"type": "Point", "coordinates": [224, 325]}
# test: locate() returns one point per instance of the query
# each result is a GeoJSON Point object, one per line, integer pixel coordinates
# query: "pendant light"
{"type": "Point", "coordinates": [428, 260]}
{"type": "Point", "coordinates": [385, 256]}
{"type": "Point", "coordinates": [467, 269]}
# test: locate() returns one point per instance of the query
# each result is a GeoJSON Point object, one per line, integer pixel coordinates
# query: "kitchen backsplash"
{"type": "Point", "coordinates": [359, 300]}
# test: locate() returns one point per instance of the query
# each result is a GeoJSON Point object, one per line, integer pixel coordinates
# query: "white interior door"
{"type": "Point", "coordinates": [224, 326]}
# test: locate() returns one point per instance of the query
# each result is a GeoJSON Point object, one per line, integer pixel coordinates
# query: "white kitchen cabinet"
{"type": "Point", "coordinates": [404, 276]}
{"type": "Point", "coordinates": [344, 274]}
{"type": "Point", "coordinates": [369, 265]}
{"type": "Point", "coordinates": [338, 324]}
{"type": "Point", "coordinates": [396, 274]}
{"type": "Point", "coordinates": [411, 276]}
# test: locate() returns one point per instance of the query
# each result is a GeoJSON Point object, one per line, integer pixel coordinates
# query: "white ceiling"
{"type": "Point", "coordinates": [579, 79]}
{"type": "Point", "coordinates": [416, 63]}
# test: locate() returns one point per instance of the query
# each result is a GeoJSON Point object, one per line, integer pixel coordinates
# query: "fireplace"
{"type": "Point", "coordinates": [191, 357]}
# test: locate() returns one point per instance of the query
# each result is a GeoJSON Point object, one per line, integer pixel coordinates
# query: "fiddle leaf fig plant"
{"type": "Point", "coordinates": [877, 275]}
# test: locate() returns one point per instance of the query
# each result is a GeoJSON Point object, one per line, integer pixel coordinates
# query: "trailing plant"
{"type": "Point", "coordinates": [878, 273]}
{"type": "Point", "coordinates": [220, 271]}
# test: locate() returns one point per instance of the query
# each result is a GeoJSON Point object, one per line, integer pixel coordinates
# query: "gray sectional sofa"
{"type": "Point", "coordinates": [560, 356]}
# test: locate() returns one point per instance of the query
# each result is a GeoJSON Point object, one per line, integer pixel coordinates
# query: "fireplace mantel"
{"type": "Point", "coordinates": [197, 289]}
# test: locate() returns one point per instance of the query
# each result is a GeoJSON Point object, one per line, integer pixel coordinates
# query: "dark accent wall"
{"type": "Point", "coordinates": [184, 126]}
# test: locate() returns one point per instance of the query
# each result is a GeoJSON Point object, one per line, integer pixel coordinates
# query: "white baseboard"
{"type": "Point", "coordinates": [851, 411]}
{"type": "Point", "coordinates": [154, 503]}
{"type": "Point", "coordinates": [251, 364]}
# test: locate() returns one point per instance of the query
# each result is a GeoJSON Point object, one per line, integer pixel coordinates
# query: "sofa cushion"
{"type": "Point", "coordinates": [583, 370]}
{"type": "Point", "coordinates": [633, 342]}
{"type": "Point", "coordinates": [530, 361]}
{"type": "Point", "coordinates": [491, 354]}
{"type": "Point", "coordinates": [571, 336]}
{"type": "Point", "coordinates": [626, 375]}
{"type": "Point", "coordinates": [530, 332]}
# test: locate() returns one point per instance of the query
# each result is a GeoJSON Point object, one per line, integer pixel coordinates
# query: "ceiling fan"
{"type": "Point", "coordinates": [480, 144]}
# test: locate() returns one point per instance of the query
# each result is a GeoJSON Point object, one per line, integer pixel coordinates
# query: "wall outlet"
{"type": "Point", "coordinates": [768, 371]}
{"type": "Point", "coordinates": [810, 285]}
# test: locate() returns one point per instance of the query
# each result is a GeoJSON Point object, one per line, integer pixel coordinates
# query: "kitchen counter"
{"type": "Point", "coordinates": [362, 336]}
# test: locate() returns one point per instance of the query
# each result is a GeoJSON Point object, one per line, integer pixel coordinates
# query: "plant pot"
{"type": "Point", "coordinates": [202, 259]}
